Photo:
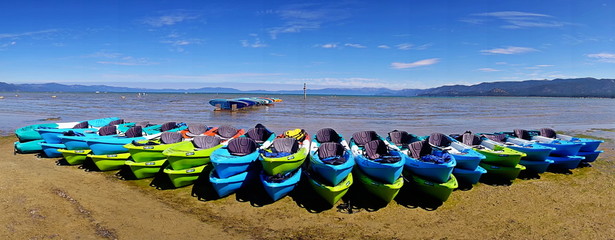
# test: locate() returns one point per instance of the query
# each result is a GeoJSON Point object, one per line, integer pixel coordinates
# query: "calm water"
{"type": "Point", "coordinates": [346, 114]}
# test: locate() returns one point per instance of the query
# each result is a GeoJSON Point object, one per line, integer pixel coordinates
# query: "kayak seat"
{"type": "Point", "coordinates": [168, 126]}
{"type": "Point", "coordinates": [116, 122]}
{"type": "Point", "coordinates": [377, 150]}
{"type": "Point", "coordinates": [287, 145]}
{"type": "Point", "coordinates": [439, 140]}
{"type": "Point", "coordinates": [547, 132]}
{"type": "Point", "coordinates": [81, 125]}
{"type": "Point", "coordinates": [143, 124]}
{"type": "Point", "coordinates": [331, 153]}
{"type": "Point", "coordinates": [206, 142]}
{"type": "Point", "coordinates": [522, 133]}
{"type": "Point", "coordinates": [327, 135]}
{"type": "Point", "coordinates": [361, 138]}
{"type": "Point", "coordinates": [399, 138]}
{"type": "Point", "coordinates": [226, 131]}
{"type": "Point", "coordinates": [196, 129]}
{"type": "Point", "coordinates": [419, 149]}
{"type": "Point", "coordinates": [258, 134]}
{"type": "Point", "coordinates": [171, 137]}
{"type": "Point", "coordinates": [136, 131]}
{"type": "Point", "coordinates": [496, 137]}
{"type": "Point", "coordinates": [241, 146]}
{"type": "Point", "coordinates": [470, 139]}
{"type": "Point", "coordinates": [107, 130]}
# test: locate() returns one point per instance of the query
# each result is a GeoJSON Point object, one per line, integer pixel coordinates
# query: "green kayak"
{"type": "Point", "coordinates": [187, 154]}
{"type": "Point", "coordinates": [144, 169]}
{"type": "Point", "coordinates": [284, 155]}
{"type": "Point", "coordinates": [331, 194]}
{"type": "Point", "coordinates": [508, 173]}
{"type": "Point", "coordinates": [75, 157]}
{"type": "Point", "coordinates": [151, 150]}
{"type": "Point", "coordinates": [384, 191]}
{"type": "Point", "coordinates": [499, 155]}
{"type": "Point", "coordinates": [184, 177]}
{"type": "Point", "coordinates": [110, 162]}
{"type": "Point", "coordinates": [440, 191]}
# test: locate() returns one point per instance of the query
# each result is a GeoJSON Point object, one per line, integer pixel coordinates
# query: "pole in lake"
{"type": "Point", "coordinates": [304, 91]}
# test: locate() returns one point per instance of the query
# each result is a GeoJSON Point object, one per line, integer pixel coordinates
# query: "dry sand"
{"type": "Point", "coordinates": [41, 200]}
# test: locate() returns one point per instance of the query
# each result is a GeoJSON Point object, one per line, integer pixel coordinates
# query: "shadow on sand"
{"type": "Point", "coordinates": [89, 165]}
{"type": "Point", "coordinates": [494, 180]}
{"type": "Point", "coordinates": [528, 175]}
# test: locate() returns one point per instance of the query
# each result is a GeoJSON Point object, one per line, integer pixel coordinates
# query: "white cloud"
{"type": "Point", "coordinates": [328, 45]}
{"type": "Point", "coordinates": [516, 20]}
{"type": "Point", "coordinates": [410, 46]}
{"type": "Point", "coordinates": [301, 17]}
{"type": "Point", "coordinates": [26, 34]}
{"type": "Point", "coordinates": [420, 63]}
{"type": "Point", "coordinates": [509, 50]}
{"type": "Point", "coordinates": [170, 19]}
{"type": "Point", "coordinates": [404, 46]}
{"type": "Point", "coordinates": [114, 58]}
{"type": "Point", "coordinates": [603, 57]}
{"type": "Point", "coordinates": [354, 45]}
{"type": "Point", "coordinates": [384, 46]}
{"type": "Point", "coordinates": [488, 70]}
{"type": "Point", "coordinates": [256, 43]}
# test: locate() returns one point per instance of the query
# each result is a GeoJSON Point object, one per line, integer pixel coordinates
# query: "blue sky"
{"type": "Point", "coordinates": [282, 44]}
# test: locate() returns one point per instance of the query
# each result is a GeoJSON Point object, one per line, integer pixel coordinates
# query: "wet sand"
{"type": "Point", "coordinates": [41, 200]}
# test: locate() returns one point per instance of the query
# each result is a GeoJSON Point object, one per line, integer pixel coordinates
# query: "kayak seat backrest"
{"type": "Point", "coordinates": [376, 149]}
{"type": "Point", "coordinates": [547, 132]}
{"type": "Point", "coordinates": [116, 122]}
{"type": "Point", "coordinates": [439, 139]}
{"type": "Point", "coordinates": [206, 142]}
{"type": "Point", "coordinates": [143, 124]}
{"type": "Point", "coordinates": [107, 130]}
{"type": "Point", "coordinates": [399, 138]}
{"type": "Point", "coordinates": [168, 126]}
{"type": "Point", "coordinates": [288, 145]}
{"type": "Point", "coordinates": [226, 131]}
{"type": "Point", "coordinates": [81, 125]}
{"type": "Point", "coordinates": [259, 135]}
{"type": "Point", "coordinates": [470, 139]}
{"type": "Point", "coordinates": [419, 149]}
{"type": "Point", "coordinates": [496, 137]}
{"type": "Point", "coordinates": [241, 146]}
{"type": "Point", "coordinates": [361, 138]}
{"type": "Point", "coordinates": [136, 131]}
{"type": "Point", "coordinates": [330, 149]}
{"type": "Point", "coordinates": [327, 135]}
{"type": "Point", "coordinates": [197, 129]}
{"type": "Point", "coordinates": [522, 133]}
{"type": "Point", "coordinates": [171, 137]}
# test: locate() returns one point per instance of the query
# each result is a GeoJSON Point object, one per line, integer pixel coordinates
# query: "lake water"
{"type": "Point", "coordinates": [346, 114]}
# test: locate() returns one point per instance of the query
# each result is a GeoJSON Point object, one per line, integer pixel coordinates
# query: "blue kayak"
{"type": "Point", "coordinates": [234, 158]}
{"type": "Point", "coordinates": [428, 163]}
{"type": "Point", "coordinates": [227, 186]}
{"type": "Point", "coordinates": [375, 158]}
{"type": "Point", "coordinates": [280, 186]}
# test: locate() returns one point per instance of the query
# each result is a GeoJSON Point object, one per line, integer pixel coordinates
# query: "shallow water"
{"type": "Point", "coordinates": [346, 114]}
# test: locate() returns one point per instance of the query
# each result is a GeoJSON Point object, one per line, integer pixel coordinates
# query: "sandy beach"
{"type": "Point", "coordinates": [41, 200]}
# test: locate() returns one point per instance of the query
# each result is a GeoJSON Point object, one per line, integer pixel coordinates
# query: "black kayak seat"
{"type": "Point", "coordinates": [116, 122]}
{"type": "Point", "coordinates": [361, 138]}
{"type": "Point", "coordinates": [226, 131]}
{"type": "Point", "coordinates": [376, 149]}
{"type": "Point", "coordinates": [81, 125]}
{"type": "Point", "coordinates": [327, 135]}
{"type": "Point", "coordinates": [168, 126]}
{"type": "Point", "coordinates": [196, 129]}
{"type": "Point", "coordinates": [496, 137]}
{"type": "Point", "coordinates": [419, 149]}
{"type": "Point", "coordinates": [399, 138]}
{"type": "Point", "coordinates": [241, 146]}
{"type": "Point", "coordinates": [206, 142]}
{"type": "Point", "coordinates": [107, 130]}
{"type": "Point", "coordinates": [259, 135]}
{"type": "Point", "coordinates": [171, 137]}
{"type": "Point", "coordinates": [522, 133]}
{"type": "Point", "coordinates": [439, 140]}
{"type": "Point", "coordinates": [548, 132]}
{"type": "Point", "coordinates": [136, 131]}
{"type": "Point", "coordinates": [470, 139]}
{"type": "Point", "coordinates": [288, 145]}
{"type": "Point", "coordinates": [330, 149]}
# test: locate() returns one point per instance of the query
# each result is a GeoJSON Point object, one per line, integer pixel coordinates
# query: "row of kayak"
{"type": "Point", "coordinates": [238, 103]}
{"type": "Point", "coordinates": [434, 164]}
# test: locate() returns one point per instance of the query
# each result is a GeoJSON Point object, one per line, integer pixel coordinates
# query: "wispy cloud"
{"type": "Point", "coordinates": [516, 20]}
{"type": "Point", "coordinates": [384, 46]}
{"type": "Point", "coordinates": [410, 46]}
{"type": "Point", "coordinates": [301, 17]}
{"type": "Point", "coordinates": [255, 43]}
{"type": "Point", "coordinates": [26, 34]}
{"type": "Point", "coordinates": [171, 18]}
{"type": "Point", "coordinates": [603, 57]}
{"type": "Point", "coordinates": [179, 42]}
{"type": "Point", "coordinates": [540, 66]}
{"type": "Point", "coordinates": [509, 50]}
{"type": "Point", "coordinates": [114, 58]}
{"type": "Point", "coordinates": [216, 77]}
{"type": "Point", "coordinates": [4, 46]}
{"type": "Point", "coordinates": [352, 82]}
{"type": "Point", "coordinates": [354, 45]}
{"type": "Point", "coordinates": [488, 70]}
{"type": "Point", "coordinates": [327, 45]}
{"type": "Point", "coordinates": [420, 63]}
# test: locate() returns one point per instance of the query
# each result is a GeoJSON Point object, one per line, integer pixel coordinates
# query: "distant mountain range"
{"type": "Point", "coordinates": [577, 87]}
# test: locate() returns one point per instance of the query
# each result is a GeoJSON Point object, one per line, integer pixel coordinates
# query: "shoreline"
{"type": "Point", "coordinates": [42, 200]}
